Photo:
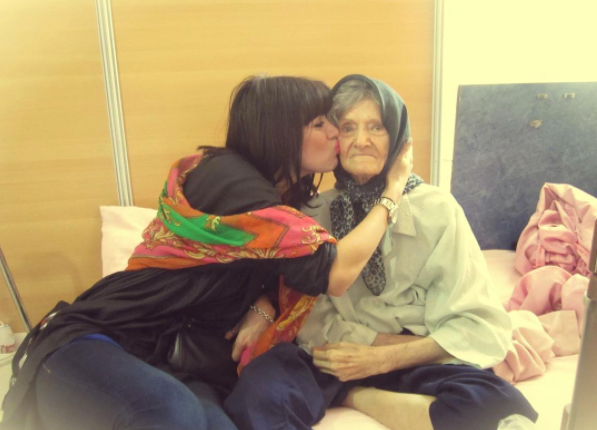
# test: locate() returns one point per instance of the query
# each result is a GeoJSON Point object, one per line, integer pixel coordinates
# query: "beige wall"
{"type": "Point", "coordinates": [55, 157]}
{"type": "Point", "coordinates": [178, 62]}
{"type": "Point", "coordinates": [539, 53]}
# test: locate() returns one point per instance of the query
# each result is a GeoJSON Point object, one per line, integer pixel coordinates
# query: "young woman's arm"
{"type": "Point", "coordinates": [250, 327]}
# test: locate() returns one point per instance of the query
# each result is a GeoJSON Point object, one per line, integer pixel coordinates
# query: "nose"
{"type": "Point", "coordinates": [362, 137]}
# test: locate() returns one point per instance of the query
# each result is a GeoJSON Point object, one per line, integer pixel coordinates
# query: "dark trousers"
{"type": "Point", "coordinates": [283, 390]}
{"type": "Point", "coordinates": [96, 385]}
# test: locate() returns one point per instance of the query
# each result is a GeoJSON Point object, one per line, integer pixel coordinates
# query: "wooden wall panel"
{"type": "Point", "coordinates": [180, 59]}
{"type": "Point", "coordinates": [56, 165]}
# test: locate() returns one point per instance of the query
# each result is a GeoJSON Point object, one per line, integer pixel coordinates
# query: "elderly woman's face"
{"type": "Point", "coordinates": [364, 141]}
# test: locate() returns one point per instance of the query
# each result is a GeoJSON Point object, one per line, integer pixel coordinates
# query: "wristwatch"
{"type": "Point", "coordinates": [392, 208]}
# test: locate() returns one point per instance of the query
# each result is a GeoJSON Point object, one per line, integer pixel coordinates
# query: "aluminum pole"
{"type": "Point", "coordinates": [12, 287]}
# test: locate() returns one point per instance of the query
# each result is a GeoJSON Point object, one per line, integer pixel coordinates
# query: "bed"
{"type": "Point", "coordinates": [549, 393]}
{"type": "Point", "coordinates": [508, 144]}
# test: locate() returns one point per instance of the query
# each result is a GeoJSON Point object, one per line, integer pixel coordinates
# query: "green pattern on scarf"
{"type": "Point", "coordinates": [205, 229]}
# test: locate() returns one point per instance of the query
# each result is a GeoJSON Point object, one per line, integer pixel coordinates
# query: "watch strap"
{"type": "Point", "coordinates": [389, 204]}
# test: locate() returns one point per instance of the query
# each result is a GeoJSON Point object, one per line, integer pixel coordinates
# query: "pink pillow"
{"type": "Point", "coordinates": [121, 233]}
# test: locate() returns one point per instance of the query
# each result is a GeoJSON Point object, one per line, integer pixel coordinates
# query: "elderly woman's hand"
{"type": "Point", "coordinates": [350, 361]}
{"type": "Point", "coordinates": [399, 172]}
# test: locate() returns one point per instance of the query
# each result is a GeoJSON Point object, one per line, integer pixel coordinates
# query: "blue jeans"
{"type": "Point", "coordinates": [96, 385]}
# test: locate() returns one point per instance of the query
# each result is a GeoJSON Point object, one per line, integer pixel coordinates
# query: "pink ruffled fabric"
{"type": "Point", "coordinates": [550, 288]}
{"type": "Point", "coordinates": [553, 256]}
{"type": "Point", "coordinates": [561, 326]}
{"type": "Point", "coordinates": [560, 232]}
{"type": "Point", "coordinates": [530, 350]}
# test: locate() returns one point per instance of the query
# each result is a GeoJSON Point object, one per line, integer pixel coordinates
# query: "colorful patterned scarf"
{"type": "Point", "coordinates": [182, 237]}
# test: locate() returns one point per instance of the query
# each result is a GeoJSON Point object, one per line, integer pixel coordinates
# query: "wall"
{"type": "Point", "coordinates": [178, 62]}
{"type": "Point", "coordinates": [511, 41]}
{"type": "Point", "coordinates": [55, 157]}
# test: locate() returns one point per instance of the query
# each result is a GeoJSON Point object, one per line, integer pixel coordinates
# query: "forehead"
{"type": "Point", "coordinates": [364, 110]}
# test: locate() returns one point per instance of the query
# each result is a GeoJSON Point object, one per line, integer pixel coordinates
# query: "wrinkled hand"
{"type": "Point", "coordinates": [399, 172]}
{"type": "Point", "coordinates": [247, 331]}
{"type": "Point", "coordinates": [350, 361]}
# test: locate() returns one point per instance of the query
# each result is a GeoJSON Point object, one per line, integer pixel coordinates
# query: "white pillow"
{"type": "Point", "coordinates": [122, 227]}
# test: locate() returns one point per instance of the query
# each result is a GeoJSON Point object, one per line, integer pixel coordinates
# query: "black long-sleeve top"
{"type": "Point", "coordinates": [143, 310]}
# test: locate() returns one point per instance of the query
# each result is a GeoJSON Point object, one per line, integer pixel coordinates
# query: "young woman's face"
{"type": "Point", "coordinates": [364, 141]}
{"type": "Point", "coordinates": [320, 147]}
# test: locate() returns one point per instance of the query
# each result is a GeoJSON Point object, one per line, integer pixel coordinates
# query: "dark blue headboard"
{"type": "Point", "coordinates": [510, 139]}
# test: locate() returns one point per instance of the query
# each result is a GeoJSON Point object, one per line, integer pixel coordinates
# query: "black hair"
{"type": "Point", "coordinates": [265, 126]}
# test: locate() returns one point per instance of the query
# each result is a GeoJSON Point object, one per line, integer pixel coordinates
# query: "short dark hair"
{"type": "Point", "coordinates": [265, 126]}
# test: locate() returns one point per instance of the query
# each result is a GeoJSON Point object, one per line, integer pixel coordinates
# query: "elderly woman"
{"type": "Point", "coordinates": [420, 321]}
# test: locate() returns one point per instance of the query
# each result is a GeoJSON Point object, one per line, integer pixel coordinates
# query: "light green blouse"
{"type": "Point", "coordinates": [437, 285]}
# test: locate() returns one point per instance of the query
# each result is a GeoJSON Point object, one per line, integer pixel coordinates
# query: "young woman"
{"type": "Point", "coordinates": [152, 347]}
